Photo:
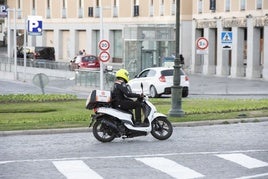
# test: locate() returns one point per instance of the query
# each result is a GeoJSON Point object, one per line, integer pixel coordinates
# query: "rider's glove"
{"type": "Point", "coordinates": [140, 98]}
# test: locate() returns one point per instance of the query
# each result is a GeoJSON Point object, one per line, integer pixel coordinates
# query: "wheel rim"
{"type": "Point", "coordinates": [103, 132]}
{"type": "Point", "coordinates": [162, 129]}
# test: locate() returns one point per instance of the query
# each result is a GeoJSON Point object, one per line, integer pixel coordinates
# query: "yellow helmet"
{"type": "Point", "coordinates": [122, 73]}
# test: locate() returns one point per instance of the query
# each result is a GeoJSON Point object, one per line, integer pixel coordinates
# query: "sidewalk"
{"type": "Point", "coordinates": [87, 129]}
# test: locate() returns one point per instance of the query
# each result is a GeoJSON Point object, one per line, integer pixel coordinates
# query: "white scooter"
{"type": "Point", "coordinates": [110, 123]}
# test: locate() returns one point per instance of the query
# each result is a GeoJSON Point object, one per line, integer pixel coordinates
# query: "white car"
{"type": "Point", "coordinates": [157, 81]}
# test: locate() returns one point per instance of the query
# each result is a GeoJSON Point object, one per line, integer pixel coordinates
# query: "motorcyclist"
{"type": "Point", "coordinates": [121, 95]}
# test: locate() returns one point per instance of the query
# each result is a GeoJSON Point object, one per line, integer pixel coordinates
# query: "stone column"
{"type": "Point", "coordinates": [253, 50]}
{"type": "Point", "coordinates": [209, 59]}
{"type": "Point", "coordinates": [39, 40]}
{"type": "Point", "coordinates": [222, 55]}
{"type": "Point", "coordinates": [265, 53]}
{"type": "Point", "coordinates": [237, 66]}
{"type": "Point", "coordinates": [56, 40]}
{"type": "Point", "coordinates": [194, 55]}
{"type": "Point", "coordinates": [72, 43]}
{"type": "Point", "coordinates": [89, 41]}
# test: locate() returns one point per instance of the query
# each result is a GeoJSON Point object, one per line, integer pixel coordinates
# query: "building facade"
{"type": "Point", "coordinates": [247, 22]}
{"type": "Point", "coordinates": [142, 32]}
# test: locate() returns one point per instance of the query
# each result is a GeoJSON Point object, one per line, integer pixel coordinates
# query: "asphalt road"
{"type": "Point", "coordinates": [193, 152]}
{"type": "Point", "coordinates": [218, 151]}
{"type": "Point", "coordinates": [200, 86]}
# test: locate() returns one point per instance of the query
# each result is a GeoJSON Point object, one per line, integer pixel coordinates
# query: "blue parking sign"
{"type": "Point", "coordinates": [35, 25]}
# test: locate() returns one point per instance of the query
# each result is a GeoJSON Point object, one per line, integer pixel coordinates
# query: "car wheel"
{"type": "Point", "coordinates": [153, 92]}
{"type": "Point", "coordinates": [185, 92]}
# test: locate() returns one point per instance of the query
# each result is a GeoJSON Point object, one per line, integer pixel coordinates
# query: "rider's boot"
{"type": "Point", "coordinates": [140, 124]}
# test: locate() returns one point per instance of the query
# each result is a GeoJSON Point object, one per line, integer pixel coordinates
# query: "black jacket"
{"type": "Point", "coordinates": [121, 91]}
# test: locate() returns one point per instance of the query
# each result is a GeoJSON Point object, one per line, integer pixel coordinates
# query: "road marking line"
{"type": "Point", "coordinates": [131, 156]}
{"type": "Point", "coordinates": [253, 176]}
{"type": "Point", "coordinates": [75, 169]}
{"type": "Point", "coordinates": [244, 160]}
{"type": "Point", "coordinates": [170, 167]}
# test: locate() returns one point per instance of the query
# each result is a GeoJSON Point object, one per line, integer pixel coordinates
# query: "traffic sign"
{"type": "Point", "coordinates": [35, 25]}
{"type": "Point", "coordinates": [104, 45]}
{"type": "Point", "coordinates": [3, 10]}
{"type": "Point", "coordinates": [104, 56]}
{"type": "Point", "coordinates": [226, 40]}
{"type": "Point", "coordinates": [202, 43]}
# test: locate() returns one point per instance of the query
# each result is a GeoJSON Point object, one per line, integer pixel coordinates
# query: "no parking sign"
{"type": "Point", "coordinates": [104, 56]}
{"type": "Point", "coordinates": [202, 45]}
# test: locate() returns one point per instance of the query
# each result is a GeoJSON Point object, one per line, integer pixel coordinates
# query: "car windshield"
{"type": "Point", "coordinates": [170, 72]}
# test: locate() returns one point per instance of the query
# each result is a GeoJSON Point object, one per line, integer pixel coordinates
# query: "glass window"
{"type": "Point", "coordinates": [200, 6]}
{"type": "Point", "coordinates": [242, 4]}
{"type": "Point", "coordinates": [227, 5]}
{"type": "Point", "coordinates": [259, 4]}
{"type": "Point", "coordinates": [143, 74]}
{"type": "Point", "coordinates": [118, 44]}
{"type": "Point", "coordinates": [151, 73]}
{"type": "Point", "coordinates": [212, 5]}
{"type": "Point", "coordinates": [18, 4]}
{"type": "Point", "coordinates": [151, 8]}
{"type": "Point", "coordinates": [48, 3]}
{"type": "Point", "coordinates": [173, 7]}
{"type": "Point", "coordinates": [167, 72]}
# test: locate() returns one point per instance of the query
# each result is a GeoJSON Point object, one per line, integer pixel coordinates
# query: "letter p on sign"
{"type": "Point", "coordinates": [35, 25]}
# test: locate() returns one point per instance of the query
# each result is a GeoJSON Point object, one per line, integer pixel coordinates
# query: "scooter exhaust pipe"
{"type": "Point", "coordinates": [110, 124]}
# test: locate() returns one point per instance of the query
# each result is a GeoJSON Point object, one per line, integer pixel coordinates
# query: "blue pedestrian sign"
{"type": "Point", "coordinates": [35, 25]}
{"type": "Point", "coordinates": [227, 40]}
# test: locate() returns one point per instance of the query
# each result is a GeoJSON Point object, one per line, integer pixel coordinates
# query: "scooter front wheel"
{"type": "Point", "coordinates": [161, 128]}
{"type": "Point", "coordinates": [103, 132]}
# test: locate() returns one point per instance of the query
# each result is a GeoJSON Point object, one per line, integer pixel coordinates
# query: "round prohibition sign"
{"type": "Point", "coordinates": [104, 45]}
{"type": "Point", "coordinates": [104, 56]}
{"type": "Point", "coordinates": [202, 43]}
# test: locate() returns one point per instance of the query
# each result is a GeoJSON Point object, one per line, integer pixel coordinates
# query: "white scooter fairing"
{"type": "Point", "coordinates": [125, 117]}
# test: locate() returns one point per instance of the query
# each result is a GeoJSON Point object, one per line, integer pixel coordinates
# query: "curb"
{"type": "Point", "coordinates": [177, 124]}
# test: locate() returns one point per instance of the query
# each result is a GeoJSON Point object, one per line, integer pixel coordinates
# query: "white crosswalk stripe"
{"type": "Point", "coordinates": [243, 160]}
{"type": "Point", "coordinates": [170, 167]}
{"type": "Point", "coordinates": [75, 169]}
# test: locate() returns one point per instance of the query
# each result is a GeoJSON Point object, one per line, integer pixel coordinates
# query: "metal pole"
{"type": "Point", "coordinates": [8, 35]}
{"type": "Point", "coordinates": [15, 46]}
{"type": "Point", "coordinates": [176, 89]}
{"type": "Point", "coordinates": [24, 50]}
{"type": "Point", "coordinates": [101, 37]}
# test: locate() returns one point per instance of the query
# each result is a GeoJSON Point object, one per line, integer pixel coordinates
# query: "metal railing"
{"type": "Point", "coordinates": [6, 62]}
{"type": "Point", "coordinates": [91, 78]}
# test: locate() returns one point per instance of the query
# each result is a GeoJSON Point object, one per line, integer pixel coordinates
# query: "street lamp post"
{"type": "Point", "coordinates": [101, 38]}
{"type": "Point", "coordinates": [15, 40]}
{"type": "Point", "coordinates": [176, 89]}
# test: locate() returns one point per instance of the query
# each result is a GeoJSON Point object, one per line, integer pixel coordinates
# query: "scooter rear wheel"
{"type": "Point", "coordinates": [102, 132]}
{"type": "Point", "coordinates": [161, 128]}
